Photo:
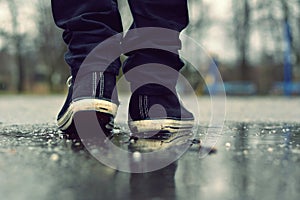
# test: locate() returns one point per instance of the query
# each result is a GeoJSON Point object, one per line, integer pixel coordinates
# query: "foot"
{"type": "Point", "coordinates": [89, 95]}
{"type": "Point", "coordinates": [164, 114]}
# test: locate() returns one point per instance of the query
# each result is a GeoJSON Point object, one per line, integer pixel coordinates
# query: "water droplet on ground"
{"type": "Point", "coordinates": [54, 157]}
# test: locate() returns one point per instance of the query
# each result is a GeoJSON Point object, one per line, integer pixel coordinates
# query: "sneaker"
{"type": "Point", "coordinates": [164, 114]}
{"type": "Point", "coordinates": [92, 93]}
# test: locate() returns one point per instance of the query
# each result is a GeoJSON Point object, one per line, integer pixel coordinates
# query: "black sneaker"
{"type": "Point", "coordinates": [158, 114]}
{"type": "Point", "coordinates": [89, 95]}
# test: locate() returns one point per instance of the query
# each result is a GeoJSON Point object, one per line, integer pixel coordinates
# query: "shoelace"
{"type": "Point", "coordinates": [69, 81]}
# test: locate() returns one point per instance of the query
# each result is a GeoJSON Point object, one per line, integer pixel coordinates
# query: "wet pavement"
{"type": "Point", "coordinates": [258, 156]}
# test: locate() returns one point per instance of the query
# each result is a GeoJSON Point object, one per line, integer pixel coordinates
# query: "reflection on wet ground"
{"type": "Point", "coordinates": [253, 161]}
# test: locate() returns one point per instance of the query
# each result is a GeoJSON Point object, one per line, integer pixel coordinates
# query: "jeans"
{"type": "Point", "coordinates": [87, 23]}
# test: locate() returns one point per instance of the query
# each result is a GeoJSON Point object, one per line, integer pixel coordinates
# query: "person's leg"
{"type": "Point", "coordinates": [156, 107]}
{"type": "Point", "coordinates": [167, 14]}
{"type": "Point", "coordinates": [86, 24]}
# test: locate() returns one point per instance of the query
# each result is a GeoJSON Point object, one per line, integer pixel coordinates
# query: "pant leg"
{"type": "Point", "coordinates": [170, 14]}
{"type": "Point", "coordinates": [86, 23]}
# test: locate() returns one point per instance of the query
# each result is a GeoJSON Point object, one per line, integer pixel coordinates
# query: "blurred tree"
{"type": "Point", "coordinates": [298, 36]}
{"type": "Point", "coordinates": [291, 15]}
{"type": "Point", "coordinates": [199, 18]}
{"type": "Point", "coordinates": [271, 21]}
{"type": "Point", "coordinates": [241, 31]}
{"type": "Point", "coordinates": [252, 19]}
{"type": "Point", "coordinates": [16, 42]}
{"type": "Point", "coordinates": [125, 13]}
{"type": "Point", "coordinates": [49, 45]}
{"type": "Point", "coordinates": [199, 23]}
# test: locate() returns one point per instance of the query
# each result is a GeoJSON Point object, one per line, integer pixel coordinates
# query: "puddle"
{"type": "Point", "coordinates": [252, 161]}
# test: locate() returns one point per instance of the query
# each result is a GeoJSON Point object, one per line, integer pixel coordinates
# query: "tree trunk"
{"type": "Point", "coordinates": [245, 41]}
{"type": "Point", "coordinates": [21, 74]}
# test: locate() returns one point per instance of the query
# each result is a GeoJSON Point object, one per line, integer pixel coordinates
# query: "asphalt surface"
{"type": "Point", "coordinates": [257, 157]}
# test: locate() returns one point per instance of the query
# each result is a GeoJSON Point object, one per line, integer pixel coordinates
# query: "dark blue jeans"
{"type": "Point", "coordinates": [86, 23]}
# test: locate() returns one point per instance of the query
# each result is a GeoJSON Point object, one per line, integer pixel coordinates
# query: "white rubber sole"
{"type": "Point", "coordinates": [179, 139]}
{"type": "Point", "coordinates": [156, 125]}
{"type": "Point", "coordinates": [97, 105]}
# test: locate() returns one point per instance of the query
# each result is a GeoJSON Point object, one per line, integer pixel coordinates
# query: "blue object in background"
{"type": "Point", "coordinates": [287, 59]}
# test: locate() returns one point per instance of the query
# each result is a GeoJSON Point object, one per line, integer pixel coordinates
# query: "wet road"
{"type": "Point", "coordinates": [258, 156]}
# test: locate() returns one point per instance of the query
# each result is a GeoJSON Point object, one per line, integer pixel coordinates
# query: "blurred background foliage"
{"type": "Point", "coordinates": [245, 37]}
